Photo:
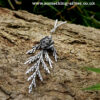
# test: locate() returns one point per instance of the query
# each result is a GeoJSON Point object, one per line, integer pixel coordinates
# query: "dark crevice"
{"type": "Point", "coordinates": [20, 36]}
{"type": "Point", "coordinates": [28, 20]}
{"type": "Point", "coordinates": [64, 92]}
{"type": "Point", "coordinates": [70, 31]}
{"type": "Point", "coordinates": [77, 42]}
{"type": "Point", "coordinates": [19, 17]}
{"type": "Point", "coordinates": [13, 26]}
{"type": "Point", "coordinates": [4, 91]}
{"type": "Point", "coordinates": [9, 40]}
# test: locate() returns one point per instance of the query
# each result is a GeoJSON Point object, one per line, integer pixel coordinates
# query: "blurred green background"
{"type": "Point", "coordinates": [87, 15]}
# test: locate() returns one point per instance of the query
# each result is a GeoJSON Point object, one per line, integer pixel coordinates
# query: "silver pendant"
{"type": "Point", "coordinates": [45, 45]}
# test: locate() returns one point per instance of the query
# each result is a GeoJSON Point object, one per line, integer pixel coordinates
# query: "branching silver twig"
{"type": "Point", "coordinates": [46, 44]}
{"type": "Point", "coordinates": [55, 26]}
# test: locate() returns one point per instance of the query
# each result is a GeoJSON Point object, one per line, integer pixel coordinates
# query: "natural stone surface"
{"type": "Point", "coordinates": [77, 46]}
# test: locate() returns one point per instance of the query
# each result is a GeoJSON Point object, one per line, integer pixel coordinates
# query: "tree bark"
{"type": "Point", "coordinates": [77, 46]}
